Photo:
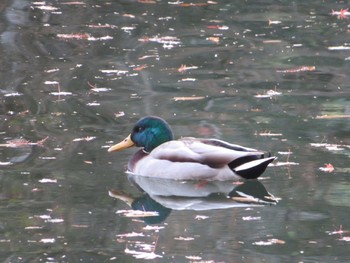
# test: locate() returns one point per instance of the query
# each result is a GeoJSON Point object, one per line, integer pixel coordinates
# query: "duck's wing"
{"type": "Point", "coordinates": [189, 158]}
{"type": "Point", "coordinates": [220, 143]}
{"type": "Point", "coordinates": [211, 152]}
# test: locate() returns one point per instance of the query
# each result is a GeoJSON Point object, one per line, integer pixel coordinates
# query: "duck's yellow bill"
{"type": "Point", "coordinates": [126, 143]}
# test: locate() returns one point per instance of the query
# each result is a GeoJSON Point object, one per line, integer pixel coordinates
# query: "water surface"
{"type": "Point", "coordinates": [76, 75]}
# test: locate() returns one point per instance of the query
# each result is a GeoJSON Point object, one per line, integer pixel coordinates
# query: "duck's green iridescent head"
{"type": "Point", "coordinates": [149, 132]}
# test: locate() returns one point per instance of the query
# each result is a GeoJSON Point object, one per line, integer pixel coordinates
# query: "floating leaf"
{"type": "Point", "coordinates": [251, 218]}
{"type": "Point", "coordinates": [328, 168]}
{"type": "Point", "coordinates": [268, 94]}
{"type": "Point", "coordinates": [137, 213]}
{"type": "Point", "coordinates": [47, 180]}
{"type": "Point", "coordinates": [201, 217]}
{"type": "Point", "coordinates": [269, 242]}
{"type": "Point", "coordinates": [47, 240]}
{"type": "Point", "coordinates": [184, 68]}
{"type": "Point", "coordinates": [132, 234]}
{"type": "Point", "coordinates": [153, 227]}
{"type": "Point", "coordinates": [141, 254]}
{"type": "Point", "coordinates": [268, 133]}
{"type": "Point", "coordinates": [188, 98]}
{"type": "Point", "coordinates": [283, 164]}
{"type": "Point", "coordinates": [184, 238]}
{"type": "Point", "coordinates": [342, 14]}
{"type": "Point", "coordinates": [333, 117]}
{"type": "Point", "coordinates": [297, 70]}
{"type": "Point", "coordinates": [339, 48]}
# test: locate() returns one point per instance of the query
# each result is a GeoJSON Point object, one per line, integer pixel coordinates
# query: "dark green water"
{"type": "Point", "coordinates": [79, 74]}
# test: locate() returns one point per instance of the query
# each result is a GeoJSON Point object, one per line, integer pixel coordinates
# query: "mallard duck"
{"type": "Point", "coordinates": [188, 158]}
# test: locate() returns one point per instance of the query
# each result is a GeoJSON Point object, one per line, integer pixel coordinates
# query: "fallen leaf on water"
{"type": "Point", "coordinates": [201, 217]}
{"type": "Point", "coordinates": [339, 48]}
{"type": "Point", "coordinates": [216, 40]}
{"type": "Point", "coordinates": [119, 114]}
{"type": "Point", "coordinates": [188, 98]}
{"type": "Point", "coordinates": [183, 68]}
{"type": "Point", "coordinates": [137, 213]}
{"type": "Point", "coordinates": [74, 36]}
{"type": "Point", "coordinates": [46, 240]}
{"type": "Point", "coordinates": [153, 227]}
{"type": "Point", "coordinates": [17, 143]}
{"type": "Point", "coordinates": [297, 70]}
{"type": "Point", "coordinates": [47, 180]}
{"type": "Point", "coordinates": [269, 242]}
{"type": "Point", "coordinates": [251, 218]}
{"type": "Point", "coordinates": [285, 153]}
{"type": "Point", "coordinates": [218, 27]}
{"type": "Point", "coordinates": [339, 231]}
{"type": "Point", "coordinates": [13, 94]}
{"type": "Point", "coordinates": [342, 14]}
{"type": "Point", "coordinates": [333, 117]}
{"type": "Point", "coordinates": [140, 67]}
{"type": "Point", "coordinates": [83, 36]}
{"type": "Point", "coordinates": [61, 93]}
{"type": "Point", "coordinates": [283, 164]}
{"type": "Point", "coordinates": [268, 94]}
{"type": "Point", "coordinates": [87, 139]}
{"type": "Point", "coordinates": [184, 238]}
{"type": "Point", "coordinates": [132, 234]}
{"type": "Point", "coordinates": [268, 133]}
{"type": "Point", "coordinates": [193, 257]}
{"type": "Point", "coordinates": [114, 71]}
{"type": "Point", "coordinates": [347, 239]}
{"type": "Point", "coordinates": [274, 22]}
{"type": "Point", "coordinates": [141, 254]}
{"type": "Point", "coordinates": [102, 26]}
{"type": "Point", "coordinates": [45, 7]}
{"type": "Point", "coordinates": [54, 220]}
{"type": "Point", "coordinates": [328, 168]}
{"type": "Point", "coordinates": [331, 146]}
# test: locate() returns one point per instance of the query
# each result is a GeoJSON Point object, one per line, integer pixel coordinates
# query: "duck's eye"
{"type": "Point", "coordinates": [138, 129]}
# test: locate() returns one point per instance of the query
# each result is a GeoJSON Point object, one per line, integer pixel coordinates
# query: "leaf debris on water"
{"type": "Point", "coordinates": [47, 240]}
{"type": "Point", "coordinates": [201, 217]}
{"type": "Point", "coordinates": [333, 117]}
{"type": "Point", "coordinates": [283, 164]}
{"type": "Point", "coordinates": [268, 133]}
{"type": "Point", "coordinates": [193, 257]}
{"type": "Point", "coordinates": [137, 213]}
{"type": "Point", "coordinates": [184, 238]}
{"type": "Point", "coordinates": [86, 139]}
{"type": "Point", "coordinates": [331, 146]}
{"type": "Point", "coordinates": [184, 68]}
{"type": "Point", "coordinates": [17, 143]}
{"type": "Point", "coordinates": [188, 98]}
{"type": "Point", "coordinates": [328, 168]}
{"type": "Point", "coordinates": [269, 94]}
{"type": "Point", "coordinates": [132, 234]}
{"type": "Point", "coordinates": [141, 254]}
{"type": "Point", "coordinates": [251, 218]}
{"type": "Point", "coordinates": [156, 228]}
{"type": "Point", "coordinates": [47, 180]}
{"type": "Point", "coordinates": [297, 69]}
{"type": "Point", "coordinates": [269, 242]}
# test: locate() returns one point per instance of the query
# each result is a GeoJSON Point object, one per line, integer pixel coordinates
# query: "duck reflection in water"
{"type": "Point", "coordinates": [163, 195]}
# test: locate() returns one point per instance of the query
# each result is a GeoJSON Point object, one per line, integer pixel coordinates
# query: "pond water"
{"type": "Point", "coordinates": [75, 77]}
